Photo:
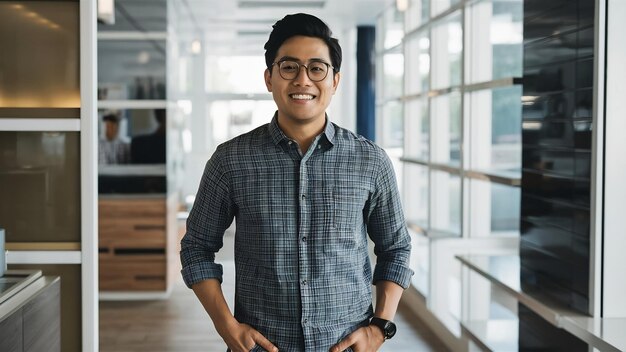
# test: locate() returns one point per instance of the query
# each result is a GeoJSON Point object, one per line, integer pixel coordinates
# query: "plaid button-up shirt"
{"type": "Point", "coordinates": [303, 275]}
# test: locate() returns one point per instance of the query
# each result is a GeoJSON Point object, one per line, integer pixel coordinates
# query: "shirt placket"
{"type": "Point", "coordinates": [304, 231]}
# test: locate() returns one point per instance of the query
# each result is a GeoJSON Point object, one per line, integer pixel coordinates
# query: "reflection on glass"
{"type": "Point", "coordinates": [439, 6]}
{"type": "Point", "coordinates": [417, 14]}
{"type": "Point", "coordinates": [445, 202]}
{"type": "Point", "coordinates": [447, 52]}
{"type": "Point", "coordinates": [230, 118]}
{"type": "Point", "coordinates": [446, 129]}
{"type": "Point", "coordinates": [496, 36]}
{"type": "Point", "coordinates": [40, 186]}
{"type": "Point", "coordinates": [393, 28]}
{"type": "Point", "coordinates": [417, 54]}
{"type": "Point", "coordinates": [393, 71]}
{"type": "Point", "coordinates": [496, 129]}
{"type": "Point", "coordinates": [392, 125]}
{"type": "Point", "coordinates": [487, 303]}
{"type": "Point", "coordinates": [39, 59]}
{"type": "Point", "coordinates": [134, 16]}
{"type": "Point", "coordinates": [494, 209]}
{"type": "Point", "coordinates": [416, 194]}
{"type": "Point", "coordinates": [131, 69]}
{"type": "Point", "coordinates": [417, 127]}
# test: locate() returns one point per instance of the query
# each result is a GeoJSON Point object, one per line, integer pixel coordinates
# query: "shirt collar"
{"type": "Point", "coordinates": [278, 135]}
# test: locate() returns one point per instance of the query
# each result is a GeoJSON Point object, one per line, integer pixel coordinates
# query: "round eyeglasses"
{"type": "Point", "coordinates": [316, 70]}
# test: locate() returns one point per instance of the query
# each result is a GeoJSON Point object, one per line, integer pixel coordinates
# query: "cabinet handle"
{"type": "Point", "coordinates": [149, 227]}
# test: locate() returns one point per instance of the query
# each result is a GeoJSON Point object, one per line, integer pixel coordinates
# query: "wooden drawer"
{"type": "Point", "coordinates": [132, 244]}
{"type": "Point", "coordinates": [132, 273]}
{"type": "Point", "coordinates": [132, 208]}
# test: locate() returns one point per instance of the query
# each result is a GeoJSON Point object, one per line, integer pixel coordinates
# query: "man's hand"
{"type": "Point", "coordinates": [242, 338]}
{"type": "Point", "coordinates": [365, 339]}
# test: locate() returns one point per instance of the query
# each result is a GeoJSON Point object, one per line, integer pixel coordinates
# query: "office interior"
{"type": "Point", "coordinates": [503, 119]}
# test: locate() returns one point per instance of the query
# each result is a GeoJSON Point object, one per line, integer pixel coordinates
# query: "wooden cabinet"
{"type": "Point", "coordinates": [11, 333]}
{"type": "Point", "coordinates": [133, 244]}
{"type": "Point", "coordinates": [34, 324]}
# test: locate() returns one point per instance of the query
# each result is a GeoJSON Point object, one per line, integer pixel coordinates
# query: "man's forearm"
{"type": "Point", "coordinates": [388, 295]}
{"type": "Point", "coordinates": [210, 294]}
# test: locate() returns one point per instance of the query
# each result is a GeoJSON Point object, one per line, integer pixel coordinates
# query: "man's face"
{"type": "Point", "coordinates": [110, 130]}
{"type": "Point", "coordinates": [301, 100]}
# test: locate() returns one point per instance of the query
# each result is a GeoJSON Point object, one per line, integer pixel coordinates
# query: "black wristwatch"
{"type": "Point", "coordinates": [387, 326]}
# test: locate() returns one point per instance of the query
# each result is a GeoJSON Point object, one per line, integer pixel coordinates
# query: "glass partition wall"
{"type": "Point", "coordinates": [47, 149]}
{"type": "Point", "coordinates": [448, 110]}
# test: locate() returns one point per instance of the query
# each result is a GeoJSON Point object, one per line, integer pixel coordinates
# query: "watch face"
{"type": "Point", "coordinates": [390, 330]}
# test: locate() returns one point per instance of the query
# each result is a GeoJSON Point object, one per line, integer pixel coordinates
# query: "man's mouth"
{"type": "Point", "coordinates": [302, 96]}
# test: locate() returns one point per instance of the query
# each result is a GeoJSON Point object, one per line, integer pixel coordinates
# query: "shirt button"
{"type": "Point", "coordinates": [306, 321]}
{"type": "Point", "coordinates": [304, 239]}
{"type": "Point", "coordinates": [319, 147]}
{"type": "Point", "coordinates": [304, 282]}
{"type": "Point", "coordinates": [304, 196]}
{"type": "Point", "coordinates": [290, 142]}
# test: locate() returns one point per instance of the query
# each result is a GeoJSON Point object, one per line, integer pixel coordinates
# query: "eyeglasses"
{"type": "Point", "coordinates": [316, 70]}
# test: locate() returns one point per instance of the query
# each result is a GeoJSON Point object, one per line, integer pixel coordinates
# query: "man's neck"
{"type": "Point", "coordinates": [302, 132]}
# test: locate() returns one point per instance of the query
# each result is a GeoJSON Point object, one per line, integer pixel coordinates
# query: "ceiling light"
{"type": "Point", "coordinates": [402, 5]}
{"type": "Point", "coordinates": [143, 57]}
{"type": "Point", "coordinates": [196, 47]}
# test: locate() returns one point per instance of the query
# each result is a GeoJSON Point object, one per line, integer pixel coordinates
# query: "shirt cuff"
{"type": "Point", "coordinates": [195, 273]}
{"type": "Point", "coordinates": [397, 273]}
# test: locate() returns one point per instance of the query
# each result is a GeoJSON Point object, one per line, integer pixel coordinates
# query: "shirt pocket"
{"type": "Point", "coordinates": [348, 204]}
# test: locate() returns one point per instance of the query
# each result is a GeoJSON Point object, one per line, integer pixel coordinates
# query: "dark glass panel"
{"type": "Point", "coordinates": [582, 134]}
{"type": "Point", "coordinates": [584, 104]}
{"type": "Point", "coordinates": [550, 78]}
{"type": "Point", "coordinates": [586, 12]}
{"type": "Point", "coordinates": [582, 193]}
{"type": "Point", "coordinates": [548, 134]}
{"type": "Point", "coordinates": [565, 245]}
{"type": "Point", "coordinates": [552, 276]}
{"type": "Point", "coordinates": [549, 106]}
{"type": "Point", "coordinates": [582, 222]}
{"type": "Point", "coordinates": [582, 164]}
{"type": "Point", "coordinates": [40, 186]}
{"type": "Point", "coordinates": [553, 187]}
{"type": "Point", "coordinates": [585, 42]}
{"type": "Point", "coordinates": [584, 73]}
{"type": "Point", "coordinates": [536, 334]}
{"type": "Point", "coordinates": [555, 49]}
{"type": "Point", "coordinates": [548, 18]}
{"type": "Point", "coordinates": [544, 212]}
{"type": "Point", "coordinates": [549, 160]}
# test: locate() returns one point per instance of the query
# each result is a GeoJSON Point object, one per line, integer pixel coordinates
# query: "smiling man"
{"type": "Point", "coordinates": [305, 194]}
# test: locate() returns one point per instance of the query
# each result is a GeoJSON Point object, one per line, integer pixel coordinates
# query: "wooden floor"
{"type": "Point", "coordinates": [180, 323]}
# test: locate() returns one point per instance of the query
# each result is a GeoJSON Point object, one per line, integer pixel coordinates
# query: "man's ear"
{"type": "Point", "coordinates": [336, 79]}
{"type": "Point", "coordinates": [268, 80]}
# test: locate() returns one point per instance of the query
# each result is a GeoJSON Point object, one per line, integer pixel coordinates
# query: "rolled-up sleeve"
{"type": "Point", "coordinates": [387, 228]}
{"type": "Point", "coordinates": [210, 216]}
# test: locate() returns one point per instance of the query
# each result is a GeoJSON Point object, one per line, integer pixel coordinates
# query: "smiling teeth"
{"type": "Point", "coordinates": [302, 96]}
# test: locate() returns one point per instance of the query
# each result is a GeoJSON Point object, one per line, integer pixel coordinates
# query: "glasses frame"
{"type": "Point", "coordinates": [299, 65]}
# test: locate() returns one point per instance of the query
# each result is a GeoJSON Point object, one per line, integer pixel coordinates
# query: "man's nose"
{"type": "Point", "coordinates": [302, 77]}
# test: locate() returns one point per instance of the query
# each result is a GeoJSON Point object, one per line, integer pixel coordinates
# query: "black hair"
{"type": "Point", "coordinates": [111, 117]}
{"type": "Point", "coordinates": [159, 116]}
{"type": "Point", "coordinates": [301, 24]}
